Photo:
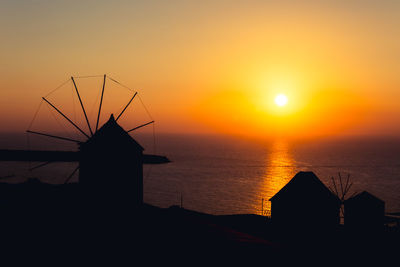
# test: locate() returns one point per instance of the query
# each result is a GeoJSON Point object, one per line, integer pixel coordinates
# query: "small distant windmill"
{"type": "Point", "coordinates": [110, 160]}
{"type": "Point", "coordinates": [341, 190]}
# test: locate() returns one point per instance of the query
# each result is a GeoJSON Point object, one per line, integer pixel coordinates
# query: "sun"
{"type": "Point", "coordinates": [281, 100]}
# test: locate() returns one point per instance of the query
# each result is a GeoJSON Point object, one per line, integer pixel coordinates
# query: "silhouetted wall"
{"type": "Point", "coordinates": [364, 211]}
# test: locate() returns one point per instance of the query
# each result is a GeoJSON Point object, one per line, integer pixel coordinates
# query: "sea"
{"type": "Point", "coordinates": [220, 175]}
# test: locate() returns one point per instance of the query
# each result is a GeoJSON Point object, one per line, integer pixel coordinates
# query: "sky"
{"type": "Point", "coordinates": [213, 66]}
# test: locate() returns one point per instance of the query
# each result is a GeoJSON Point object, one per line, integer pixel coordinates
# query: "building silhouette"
{"type": "Point", "coordinates": [305, 202]}
{"type": "Point", "coordinates": [111, 166]}
{"type": "Point", "coordinates": [364, 211]}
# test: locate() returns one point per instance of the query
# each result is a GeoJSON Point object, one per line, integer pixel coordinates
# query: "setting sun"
{"type": "Point", "coordinates": [281, 100]}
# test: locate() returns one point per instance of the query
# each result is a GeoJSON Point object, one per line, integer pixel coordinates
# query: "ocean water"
{"type": "Point", "coordinates": [226, 175]}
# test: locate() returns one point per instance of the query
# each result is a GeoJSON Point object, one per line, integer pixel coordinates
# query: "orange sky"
{"type": "Point", "coordinates": [214, 66]}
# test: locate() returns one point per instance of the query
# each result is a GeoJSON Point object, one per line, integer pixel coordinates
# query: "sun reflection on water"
{"type": "Point", "coordinates": [278, 172]}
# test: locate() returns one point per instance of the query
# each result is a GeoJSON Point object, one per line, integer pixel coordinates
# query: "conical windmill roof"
{"type": "Point", "coordinates": [111, 135]}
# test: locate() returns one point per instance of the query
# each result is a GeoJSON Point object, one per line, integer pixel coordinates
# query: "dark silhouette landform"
{"type": "Point", "coordinates": [104, 213]}
{"type": "Point", "coordinates": [104, 216]}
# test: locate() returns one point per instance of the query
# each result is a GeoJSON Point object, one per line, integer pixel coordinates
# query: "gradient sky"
{"type": "Point", "coordinates": [214, 66]}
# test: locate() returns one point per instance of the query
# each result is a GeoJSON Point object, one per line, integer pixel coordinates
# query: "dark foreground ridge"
{"type": "Point", "coordinates": [59, 218]}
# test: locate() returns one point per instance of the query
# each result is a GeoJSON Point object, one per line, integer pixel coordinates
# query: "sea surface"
{"type": "Point", "coordinates": [226, 175]}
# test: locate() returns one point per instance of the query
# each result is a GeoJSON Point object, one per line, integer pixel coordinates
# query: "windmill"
{"type": "Point", "coordinates": [110, 161]}
{"type": "Point", "coordinates": [342, 191]}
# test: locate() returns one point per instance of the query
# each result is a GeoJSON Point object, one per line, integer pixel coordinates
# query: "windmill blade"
{"type": "Point", "coordinates": [355, 193]}
{"type": "Point", "coordinates": [126, 106]}
{"type": "Point", "coordinates": [140, 126]}
{"type": "Point", "coordinates": [347, 183]}
{"type": "Point", "coordinates": [62, 114]}
{"type": "Point", "coordinates": [341, 185]}
{"type": "Point", "coordinates": [83, 108]}
{"type": "Point", "coordinates": [54, 136]}
{"type": "Point", "coordinates": [72, 174]}
{"type": "Point", "coordinates": [334, 184]}
{"type": "Point", "coordinates": [348, 188]}
{"type": "Point", "coordinates": [101, 103]}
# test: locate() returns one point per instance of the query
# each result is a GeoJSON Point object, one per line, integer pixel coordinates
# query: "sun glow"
{"type": "Point", "coordinates": [281, 100]}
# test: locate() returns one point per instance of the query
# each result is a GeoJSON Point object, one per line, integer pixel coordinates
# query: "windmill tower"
{"type": "Point", "coordinates": [111, 163]}
{"type": "Point", "coordinates": [110, 160]}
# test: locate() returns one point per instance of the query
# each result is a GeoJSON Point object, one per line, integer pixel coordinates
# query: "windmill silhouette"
{"type": "Point", "coordinates": [110, 160]}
